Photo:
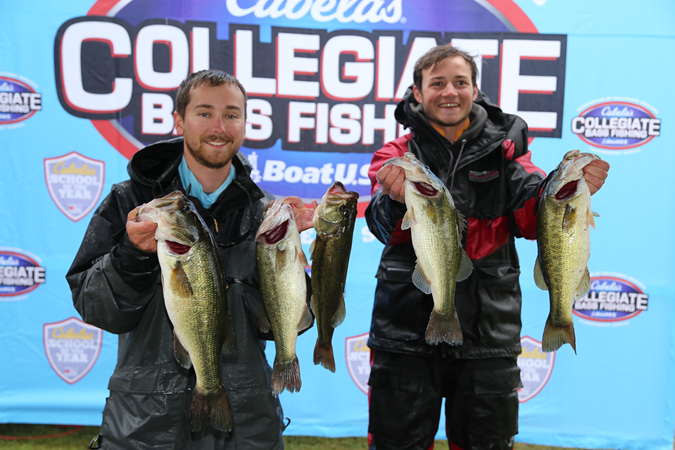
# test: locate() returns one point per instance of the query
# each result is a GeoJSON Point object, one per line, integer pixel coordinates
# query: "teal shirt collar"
{"type": "Point", "coordinates": [196, 190]}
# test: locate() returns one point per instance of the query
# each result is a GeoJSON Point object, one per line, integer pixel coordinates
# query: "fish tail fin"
{"type": "Point", "coordinates": [323, 354]}
{"type": "Point", "coordinates": [444, 329]}
{"type": "Point", "coordinates": [211, 408]}
{"type": "Point", "coordinates": [555, 336]}
{"type": "Point", "coordinates": [286, 375]}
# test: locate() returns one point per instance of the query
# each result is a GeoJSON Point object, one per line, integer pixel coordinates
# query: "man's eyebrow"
{"type": "Point", "coordinates": [207, 106]}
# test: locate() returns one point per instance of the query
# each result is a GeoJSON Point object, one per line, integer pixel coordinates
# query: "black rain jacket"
{"type": "Point", "coordinates": [494, 184]}
{"type": "Point", "coordinates": [117, 287]}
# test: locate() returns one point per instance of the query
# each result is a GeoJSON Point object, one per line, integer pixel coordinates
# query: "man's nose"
{"type": "Point", "coordinates": [449, 89]}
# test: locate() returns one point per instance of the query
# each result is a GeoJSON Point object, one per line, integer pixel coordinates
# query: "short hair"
{"type": "Point", "coordinates": [438, 54]}
{"type": "Point", "coordinates": [211, 78]}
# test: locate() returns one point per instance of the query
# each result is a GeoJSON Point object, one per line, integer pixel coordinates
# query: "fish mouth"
{"type": "Point", "coordinates": [425, 189]}
{"type": "Point", "coordinates": [274, 235]}
{"type": "Point", "coordinates": [567, 191]}
{"type": "Point", "coordinates": [178, 248]}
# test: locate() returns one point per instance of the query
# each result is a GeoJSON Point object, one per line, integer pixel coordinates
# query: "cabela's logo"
{"type": "Point", "coordinates": [18, 101]}
{"type": "Point", "coordinates": [72, 348]}
{"type": "Point", "coordinates": [357, 353]}
{"type": "Point", "coordinates": [616, 125]}
{"type": "Point", "coordinates": [613, 297]}
{"type": "Point", "coordinates": [19, 274]}
{"type": "Point", "coordinates": [75, 183]}
{"type": "Point", "coordinates": [535, 368]}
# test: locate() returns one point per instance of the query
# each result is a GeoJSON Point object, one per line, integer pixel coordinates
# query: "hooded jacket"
{"type": "Point", "coordinates": [494, 185]}
{"type": "Point", "coordinates": [117, 287]}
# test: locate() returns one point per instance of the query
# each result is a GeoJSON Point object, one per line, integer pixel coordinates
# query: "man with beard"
{"type": "Point", "coordinates": [481, 155]}
{"type": "Point", "coordinates": [116, 280]}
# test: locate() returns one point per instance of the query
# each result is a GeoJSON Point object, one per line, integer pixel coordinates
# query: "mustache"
{"type": "Point", "coordinates": [218, 137]}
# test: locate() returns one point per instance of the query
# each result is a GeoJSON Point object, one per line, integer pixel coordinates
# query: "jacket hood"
{"type": "Point", "coordinates": [487, 121]}
{"type": "Point", "coordinates": [410, 114]}
{"type": "Point", "coordinates": [156, 166]}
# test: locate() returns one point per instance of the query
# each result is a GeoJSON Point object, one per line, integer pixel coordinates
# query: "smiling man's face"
{"type": "Point", "coordinates": [214, 126]}
{"type": "Point", "coordinates": [447, 94]}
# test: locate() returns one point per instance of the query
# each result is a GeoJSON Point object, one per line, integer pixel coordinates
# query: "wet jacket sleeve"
{"type": "Point", "coordinates": [383, 214]}
{"type": "Point", "coordinates": [525, 184]}
{"type": "Point", "coordinates": [110, 279]}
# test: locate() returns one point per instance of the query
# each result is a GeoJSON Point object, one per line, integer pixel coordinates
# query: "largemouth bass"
{"type": "Point", "coordinates": [564, 219]}
{"type": "Point", "coordinates": [283, 286]}
{"type": "Point", "coordinates": [334, 224]}
{"type": "Point", "coordinates": [195, 300]}
{"type": "Point", "coordinates": [437, 229]}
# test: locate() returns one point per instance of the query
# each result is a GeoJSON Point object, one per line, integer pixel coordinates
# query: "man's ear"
{"type": "Point", "coordinates": [178, 123]}
{"type": "Point", "coordinates": [418, 94]}
{"type": "Point", "coordinates": [475, 93]}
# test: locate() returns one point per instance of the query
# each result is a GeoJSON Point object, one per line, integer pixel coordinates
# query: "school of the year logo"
{"type": "Point", "coordinates": [75, 183]}
{"type": "Point", "coordinates": [72, 348]}
{"type": "Point", "coordinates": [357, 354]}
{"type": "Point", "coordinates": [18, 100]}
{"type": "Point", "coordinates": [535, 368]}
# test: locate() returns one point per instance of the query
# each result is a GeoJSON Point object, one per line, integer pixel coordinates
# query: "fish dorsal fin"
{"type": "Point", "coordinates": [465, 267]}
{"type": "Point", "coordinates": [461, 224]}
{"type": "Point", "coordinates": [569, 218]}
{"type": "Point", "coordinates": [263, 321]}
{"type": "Point", "coordinates": [340, 313]}
{"type": "Point", "coordinates": [179, 281]}
{"type": "Point", "coordinates": [229, 346]}
{"type": "Point", "coordinates": [408, 220]}
{"type": "Point", "coordinates": [591, 220]}
{"type": "Point", "coordinates": [302, 257]}
{"type": "Point", "coordinates": [584, 286]}
{"type": "Point", "coordinates": [539, 276]}
{"type": "Point", "coordinates": [420, 280]}
{"type": "Point", "coordinates": [182, 355]}
{"type": "Point", "coordinates": [311, 305]}
{"type": "Point", "coordinates": [306, 320]}
{"type": "Point", "coordinates": [312, 247]}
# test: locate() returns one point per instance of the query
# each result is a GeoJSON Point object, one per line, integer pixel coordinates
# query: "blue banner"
{"type": "Point", "coordinates": [84, 84]}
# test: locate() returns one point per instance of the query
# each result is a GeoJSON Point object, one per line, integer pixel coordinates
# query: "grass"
{"type": "Point", "coordinates": [80, 439]}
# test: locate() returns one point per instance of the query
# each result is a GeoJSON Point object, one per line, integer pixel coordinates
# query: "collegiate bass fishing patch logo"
{"type": "Point", "coordinates": [19, 273]}
{"type": "Point", "coordinates": [18, 100]}
{"type": "Point", "coordinates": [75, 183]}
{"type": "Point", "coordinates": [618, 124]}
{"type": "Point", "coordinates": [357, 353]}
{"type": "Point", "coordinates": [535, 368]}
{"type": "Point", "coordinates": [72, 348]}
{"type": "Point", "coordinates": [612, 298]}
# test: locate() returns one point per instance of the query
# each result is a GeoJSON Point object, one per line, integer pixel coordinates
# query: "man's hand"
{"type": "Point", "coordinates": [595, 174]}
{"type": "Point", "coordinates": [304, 216]}
{"type": "Point", "coordinates": [141, 234]}
{"type": "Point", "coordinates": [392, 181]}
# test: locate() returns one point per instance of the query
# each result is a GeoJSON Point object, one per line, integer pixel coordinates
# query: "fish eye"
{"type": "Point", "coordinates": [342, 207]}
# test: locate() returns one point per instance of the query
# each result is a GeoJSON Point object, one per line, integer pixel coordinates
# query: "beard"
{"type": "Point", "coordinates": [219, 162]}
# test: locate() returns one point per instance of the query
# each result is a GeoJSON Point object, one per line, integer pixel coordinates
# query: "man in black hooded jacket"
{"type": "Point", "coordinates": [481, 155]}
{"type": "Point", "coordinates": [116, 284]}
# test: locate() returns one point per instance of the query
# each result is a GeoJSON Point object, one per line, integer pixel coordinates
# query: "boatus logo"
{"type": "Point", "coordinates": [612, 298]}
{"type": "Point", "coordinates": [72, 348]}
{"type": "Point", "coordinates": [18, 101]}
{"type": "Point", "coordinates": [19, 274]}
{"type": "Point", "coordinates": [617, 125]}
{"type": "Point", "coordinates": [535, 368]}
{"type": "Point", "coordinates": [75, 183]}
{"type": "Point", "coordinates": [357, 353]}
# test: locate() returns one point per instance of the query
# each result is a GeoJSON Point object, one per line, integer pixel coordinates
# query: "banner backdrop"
{"type": "Point", "coordinates": [84, 84]}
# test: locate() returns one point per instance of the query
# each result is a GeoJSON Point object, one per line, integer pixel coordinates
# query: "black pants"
{"type": "Point", "coordinates": [406, 392]}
